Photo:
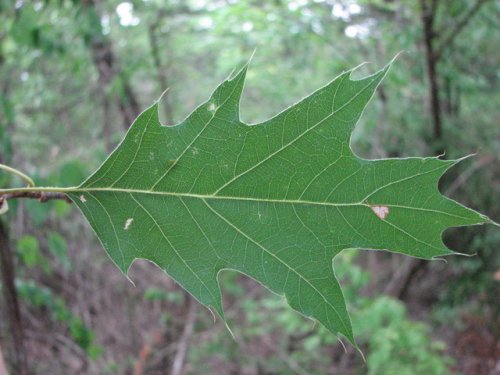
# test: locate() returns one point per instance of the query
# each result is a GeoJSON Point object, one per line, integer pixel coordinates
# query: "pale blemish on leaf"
{"type": "Point", "coordinates": [380, 211]}
{"type": "Point", "coordinates": [212, 107]}
{"type": "Point", "coordinates": [4, 207]}
{"type": "Point", "coordinates": [128, 223]}
{"type": "Point", "coordinates": [82, 198]}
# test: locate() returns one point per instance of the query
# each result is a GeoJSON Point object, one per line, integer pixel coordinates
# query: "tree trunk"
{"type": "Point", "coordinates": [429, 35]}
{"type": "Point", "coordinates": [161, 70]}
{"type": "Point", "coordinates": [108, 70]}
{"type": "Point", "coordinates": [183, 343]}
{"type": "Point", "coordinates": [3, 367]}
{"type": "Point", "coordinates": [401, 281]}
{"type": "Point", "coordinates": [20, 362]}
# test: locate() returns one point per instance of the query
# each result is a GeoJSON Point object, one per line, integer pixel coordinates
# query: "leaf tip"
{"type": "Point", "coordinates": [226, 98]}
{"type": "Point", "coordinates": [396, 56]}
{"type": "Point", "coordinates": [219, 310]}
{"type": "Point", "coordinates": [160, 98]}
{"type": "Point", "coordinates": [357, 67]}
{"type": "Point", "coordinates": [351, 340]}
{"type": "Point", "coordinates": [456, 161]}
{"type": "Point", "coordinates": [240, 76]}
{"type": "Point", "coordinates": [360, 353]}
{"type": "Point", "coordinates": [249, 61]}
{"type": "Point", "coordinates": [490, 221]}
{"type": "Point", "coordinates": [125, 271]}
{"type": "Point", "coordinates": [229, 329]}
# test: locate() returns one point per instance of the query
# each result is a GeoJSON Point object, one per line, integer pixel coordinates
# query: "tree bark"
{"type": "Point", "coordinates": [3, 367]}
{"type": "Point", "coordinates": [161, 70]}
{"type": "Point", "coordinates": [434, 52]}
{"type": "Point", "coordinates": [182, 347]}
{"type": "Point", "coordinates": [429, 34]}
{"type": "Point", "coordinates": [447, 41]}
{"type": "Point", "coordinates": [109, 69]}
{"type": "Point", "coordinates": [401, 281]}
{"type": "Point", "coordinates": [20, 363]}
{"type": "Point", "coordinates": [12, 303]}
{"type": "Point", "coordinates": [155, 53]}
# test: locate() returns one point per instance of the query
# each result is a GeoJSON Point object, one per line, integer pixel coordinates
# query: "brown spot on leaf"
{"type": "Point", "coordinates": [380, 211]}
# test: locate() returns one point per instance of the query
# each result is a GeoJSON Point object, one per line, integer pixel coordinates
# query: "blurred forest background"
{"type": "Point", "coordinates": [73, 76]}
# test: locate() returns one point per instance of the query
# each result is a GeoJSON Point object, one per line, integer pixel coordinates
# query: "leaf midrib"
{"type": "Point", "coordinates": [252, 199]}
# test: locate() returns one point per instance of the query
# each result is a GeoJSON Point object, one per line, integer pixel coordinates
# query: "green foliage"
{"type": "Point", "coordinates": [157, 294]}
{"type": "Point", "coordinates": [42, 298]}
{"type": "Point", "coordinates": [37, 212]}
{"type": "Point", "coordinates": [71, 173]}
{"type": "Point", "coordinates": [396, 344]}
{"type": "Point", "coordinates": [59, 248]}
{"type": "Point", "coordinates": [28, 251]}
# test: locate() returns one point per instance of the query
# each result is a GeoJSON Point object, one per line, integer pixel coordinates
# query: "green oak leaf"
{"type": "Point", "coordinates": [276, 201]}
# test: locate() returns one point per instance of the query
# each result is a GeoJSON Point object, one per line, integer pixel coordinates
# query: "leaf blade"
{"type": "Point", "coordinates": [276, 201]}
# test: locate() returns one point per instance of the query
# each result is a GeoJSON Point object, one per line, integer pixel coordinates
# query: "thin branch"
{"type": "Point", "coordinates": [155, 50]}
{"type": "Point", "coordinates": [3, 367]}
{"type": "Point", "coordinates": [401, 279]}
{"type": "Point", "coordinates": [186, 334]}
{"type": "Point", "coordinates": [458, 27]}
{"type": "Point", "coordinates": [429, 36]}
{"type": "Point", "coordinates": [11, 300]}
{"type": "Point", "coordinates": [434, 4]}
{"type": "Point", "coordinates": [285, 357]}
{"type": "Point", "coordinates": [42, 196]}
{"type": "Point", "coordinates": [463, 177]}
{"type": "Point", "coordinates": [428, 12]}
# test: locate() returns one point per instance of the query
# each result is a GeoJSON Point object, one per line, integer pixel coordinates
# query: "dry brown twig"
{"type": "Point", "coordinates": [3, 368]}
{"type": "Point", "coordinates": [40, 195]}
